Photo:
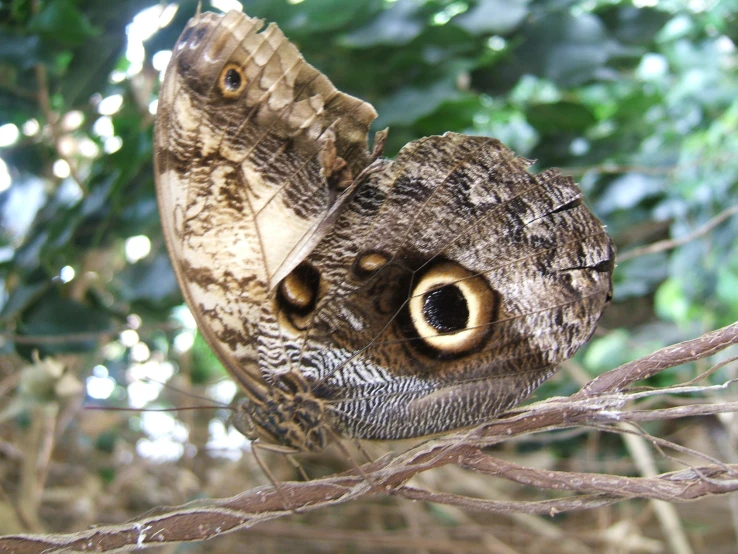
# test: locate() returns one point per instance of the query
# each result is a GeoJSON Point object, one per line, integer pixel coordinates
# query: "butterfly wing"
{"type": "Point", "coordinates": [253, 148]}
{"type": "Point", "coordinates": [452, 285]}
{"type": "Point", "coordinates": [405, 297]}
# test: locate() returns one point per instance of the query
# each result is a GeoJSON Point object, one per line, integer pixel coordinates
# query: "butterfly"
{"type": "Point", "coordinates": [349, 294]}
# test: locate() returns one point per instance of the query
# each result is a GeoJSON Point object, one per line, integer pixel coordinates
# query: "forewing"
{"type": "Point", "coordinates": [253, 147]}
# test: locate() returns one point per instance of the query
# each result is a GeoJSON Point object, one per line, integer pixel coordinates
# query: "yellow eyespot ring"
{"type": "Point", "coordinates": [232, 80]}
{"type": "Point", "coordinates": [451, 308]}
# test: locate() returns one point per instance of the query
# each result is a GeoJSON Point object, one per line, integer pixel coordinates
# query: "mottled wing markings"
{"type": "Point", "coordinates": [213, 165]}
{"type": "Point", "coordinates": [250, 181]}
{"type": "Point", "coordinates": [511, 359]}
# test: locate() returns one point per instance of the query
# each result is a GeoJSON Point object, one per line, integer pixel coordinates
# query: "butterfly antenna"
{"type": "Point", "coordinates": [183, 392]}
{"type": "Point", "coordinates": [138, 410]}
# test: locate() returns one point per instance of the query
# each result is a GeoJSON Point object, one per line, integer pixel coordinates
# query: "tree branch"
{"type": "Point", "coordinates": [602, 403]}
{"type": "Point", "coordinates": [670, 244]}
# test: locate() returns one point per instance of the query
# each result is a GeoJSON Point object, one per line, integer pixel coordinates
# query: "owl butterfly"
{"type": "Point", "coordinates": [349, 294]}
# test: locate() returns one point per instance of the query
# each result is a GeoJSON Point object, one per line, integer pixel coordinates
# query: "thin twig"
{"type": "Point", "coordinates": [671, 523]}
{"type": "Point", "coordinates": [670, 244]}
{"type": "Point", "coordinates": [66, 338]}
{"type": "Point", "coordinates": [615, 169]}
{"type": "Point", "coordinates": [52, 120]}
{"type": "Point", "coordinates": [677, 354]}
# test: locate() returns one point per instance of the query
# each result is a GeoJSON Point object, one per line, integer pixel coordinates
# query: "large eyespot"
{"type": "Point", "coordinates": [451, 309]}
{"type": "Point", "coordinates": [232, 80]}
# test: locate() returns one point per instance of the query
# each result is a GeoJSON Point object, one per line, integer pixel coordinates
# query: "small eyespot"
{"type": "Point", "coordinates": [182, 42]}
{"type": "Point", "coordinates": [232, 80]}
{"type": "Point", "coordinates": [451, 309]}
{"type": "Point", "coordinates": [195, 38]}
{"type": "Point", "coordinates": [298, 292]}
{"type": "Point", "coordinates": [369, 262]}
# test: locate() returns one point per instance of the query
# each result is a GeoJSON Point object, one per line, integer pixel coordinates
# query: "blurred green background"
{"type": "Point", "coordinates": [637, 100]}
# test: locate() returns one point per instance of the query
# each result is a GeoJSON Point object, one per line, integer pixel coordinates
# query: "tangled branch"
{"type": "Point", "coordinates": [604, 403]}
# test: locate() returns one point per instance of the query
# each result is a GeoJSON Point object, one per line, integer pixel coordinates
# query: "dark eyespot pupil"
{"type": "Point", "coordinates": [445, 309]}
{"type": "Point", "coordinates": [232, 79]}
{"type": "Point", "coordinates": [186, 35]}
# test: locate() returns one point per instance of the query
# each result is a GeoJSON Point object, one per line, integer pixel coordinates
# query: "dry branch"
{"type": "Point", "coordinates": [603, 403]}
{"type": "Point", "coordinates": [670, 244]}
{"type": "Point", "coordinates": [671, 356]}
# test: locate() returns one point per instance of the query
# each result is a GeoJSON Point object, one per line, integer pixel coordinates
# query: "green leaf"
{"type": "Point", "coordinates": [18, 50]}
{"type": "Point", "coordinates": [552, 118]}
{"type": "Point", "coordinates": [56, 316]}
{"type": "Point", "coordinates": [632, 25]}
{"type": "Point", "coordinates": [150, 281]}
{"type": "Point", "coordinates": [324, 15]}
{"type": "Point", "coordinates": [493, 17]}
{"type": "Point", "coordinates": [396, 26]}
{"type": "Point", "coordinates": [607, 352]}
{"type": "Point", "coordinates": [410, 104]}
{"type": "Point", "coordinates": [629, 190]}
{"type": "Point", "coordinates": [640, 276]}
{"type": "Point", "coordinates": [21, 297]}
{"type": "Point", "coordinates": [62, 22]}
{"type": "Point", "coordinates": [205, 365]}
{"type": "Point", "coordinates": [670, 301]}
{"type": "Point", "coordinates": [565, 48]}
{"type": "Point", "coordinates": [727, 287]}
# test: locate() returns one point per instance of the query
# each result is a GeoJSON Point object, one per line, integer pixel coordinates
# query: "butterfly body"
{"type": "Point", "coordinates": [349, 294]}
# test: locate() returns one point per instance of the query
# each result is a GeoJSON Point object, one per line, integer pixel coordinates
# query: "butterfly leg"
{"type": "Point", "coordinates": [298, 466]}
{"type": "Point", "coordinates": [256, 446]}
{"type": "Point", "coordinates": [363, 451]}
{"type": "Point", "coordinates": [351, 460]}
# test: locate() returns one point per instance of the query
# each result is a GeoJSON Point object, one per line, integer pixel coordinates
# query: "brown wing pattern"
{"type": "Point", "coordinates": [248, 136]}
{"type": "Point", "coordinates": [517, 267]}
{"type": "Point", "coordinates": [381, 299]}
